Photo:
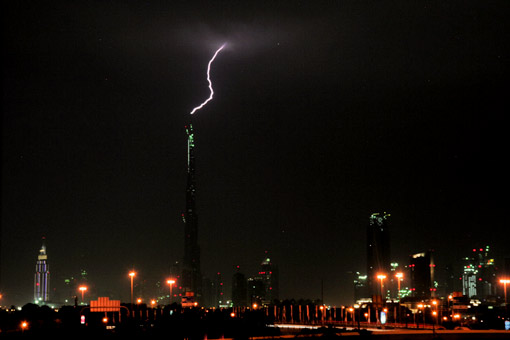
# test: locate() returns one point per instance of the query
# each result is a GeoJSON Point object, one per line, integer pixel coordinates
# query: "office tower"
{"type": "Point", "coordinates": [42, 276]}
{"type": "Point", "coordinates": [191, 273]}
{"type": "Point", "coordinates": [479, 274]}
{"type": "Point", "coordinates": [378, 251]}
{"type": "Point", "coordinates": [422, 275]}
{"type": "Point", "coordinates": [263, 288]}
{"type": "Point", "coordinates": [239, 289]}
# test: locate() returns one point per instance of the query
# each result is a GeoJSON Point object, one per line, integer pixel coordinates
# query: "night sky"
{"type": "Point", "coordinates": [324, 112]}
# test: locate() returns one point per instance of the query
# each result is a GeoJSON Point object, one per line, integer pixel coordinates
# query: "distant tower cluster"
{"type": "Point", "coordinates": [42, 277]}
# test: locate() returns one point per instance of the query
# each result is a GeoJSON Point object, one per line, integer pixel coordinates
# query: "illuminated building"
{"type": "Point", "coordinates": [360, 287]}
{"type": "Point", "coordinates": [263, 288]}
{"type": "Point", "coordinates": [378, 251]}
{"type": "Point", "coordinates": [256, 290]}
{"type": "Point", "coordinates": [42, 277]}
{"type": "Point", "coordinates": [421, 269]}
{"type": "Point", "coordinates": [191, 273]}
{"type": "Point", "coordinates": [479, 274]}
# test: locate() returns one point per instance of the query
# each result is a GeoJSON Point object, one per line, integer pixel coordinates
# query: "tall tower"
{"type": "Point", "coordinates": [378, 252]}
{"type": "Point", "coordinates": [422, 275]}
{"type": "Point", "coordinates": [191, 274]}
{"type": "Point", "coordinates": [42, 277]}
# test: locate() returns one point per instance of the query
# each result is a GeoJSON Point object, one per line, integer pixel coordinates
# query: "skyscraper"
{"type": "Point", "coordinates": [191, 273]}
{"type": "Point", "coordinates": [378, 251]}
{"type": "Point", "coordinates": [263, 288]}
{"type": "Point", "coordinates": [42, 277]}
{"type": "Point", "coordinates": [239, 289]}
{"type": "Point", "coordinates": [422, 275]}
{"type": "Point", "coordinates": [479, 274]}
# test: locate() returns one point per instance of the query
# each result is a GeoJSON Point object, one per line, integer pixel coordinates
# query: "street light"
{"type": "Point", "coordinates": [381, 277]}
{"type": "Point", "coordinates": [24, 325]}
{"type": "Point", "coordinates": [399, 277]}
{"type": "Point", "coordinates": [504, 282]}
{"type": "Point", "coordinates": [132, 274]}
{"type": "Point", "coordinates": [171, 283]}
{"type": "Point", "coordinates": [422, 307]}
{"type": "Point", "coordinates": [357, 308]}
{"type": "Point", "coordinates": [82, 289]}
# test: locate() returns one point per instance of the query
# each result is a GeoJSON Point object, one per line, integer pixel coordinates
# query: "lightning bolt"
{"type": "Point", "coordinates": [209, 80]}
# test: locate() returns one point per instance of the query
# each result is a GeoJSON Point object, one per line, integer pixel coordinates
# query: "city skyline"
{"type": "Point", "coordinates": [417, 280]}
{"type": "Point", "coordinates": [322, 116]}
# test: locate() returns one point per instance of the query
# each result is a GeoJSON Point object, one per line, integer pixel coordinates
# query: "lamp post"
{"type": "Point", "coordinates": [422, 310]}
{"type": "Point", "coordinates": [171, 283]}
{"type": "Point", "coordinates": [434, 317]}
{"type": "Point", "coordinates": [357, 308]}
{"type": "Point", "coordinates": [132, 274]}
{"type": "Point", "coordinates": [399, 277]}
{"type": "Point", "coordinates": [352, 315]}
{"type": "Point", "coordinates": [381, 277]}
{"type": "Point", "coordinates": [504, 282]}
{"type": "Point", "coordinates": [82, 289]}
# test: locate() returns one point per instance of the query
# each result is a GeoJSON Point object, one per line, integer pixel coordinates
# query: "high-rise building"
{"type": "Point", "coordinates": [220, 295]}
{"type": "Point", "coordinates": [191, 273]}
{"type": "Point", "coordinates": [239, 289]}
{"type": "Point", "coordinates": [208, 299]}
{"type": "Point", "coordinates": [263, 288]}
{"type": "Point", "coordinates": [421, 269]}
{"type": "Point", "coordinates": [378, 251]}
{"type": "Point", "coordinates": [42, 277]}
{"type": "Point", "coordinates": [479, 274]}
